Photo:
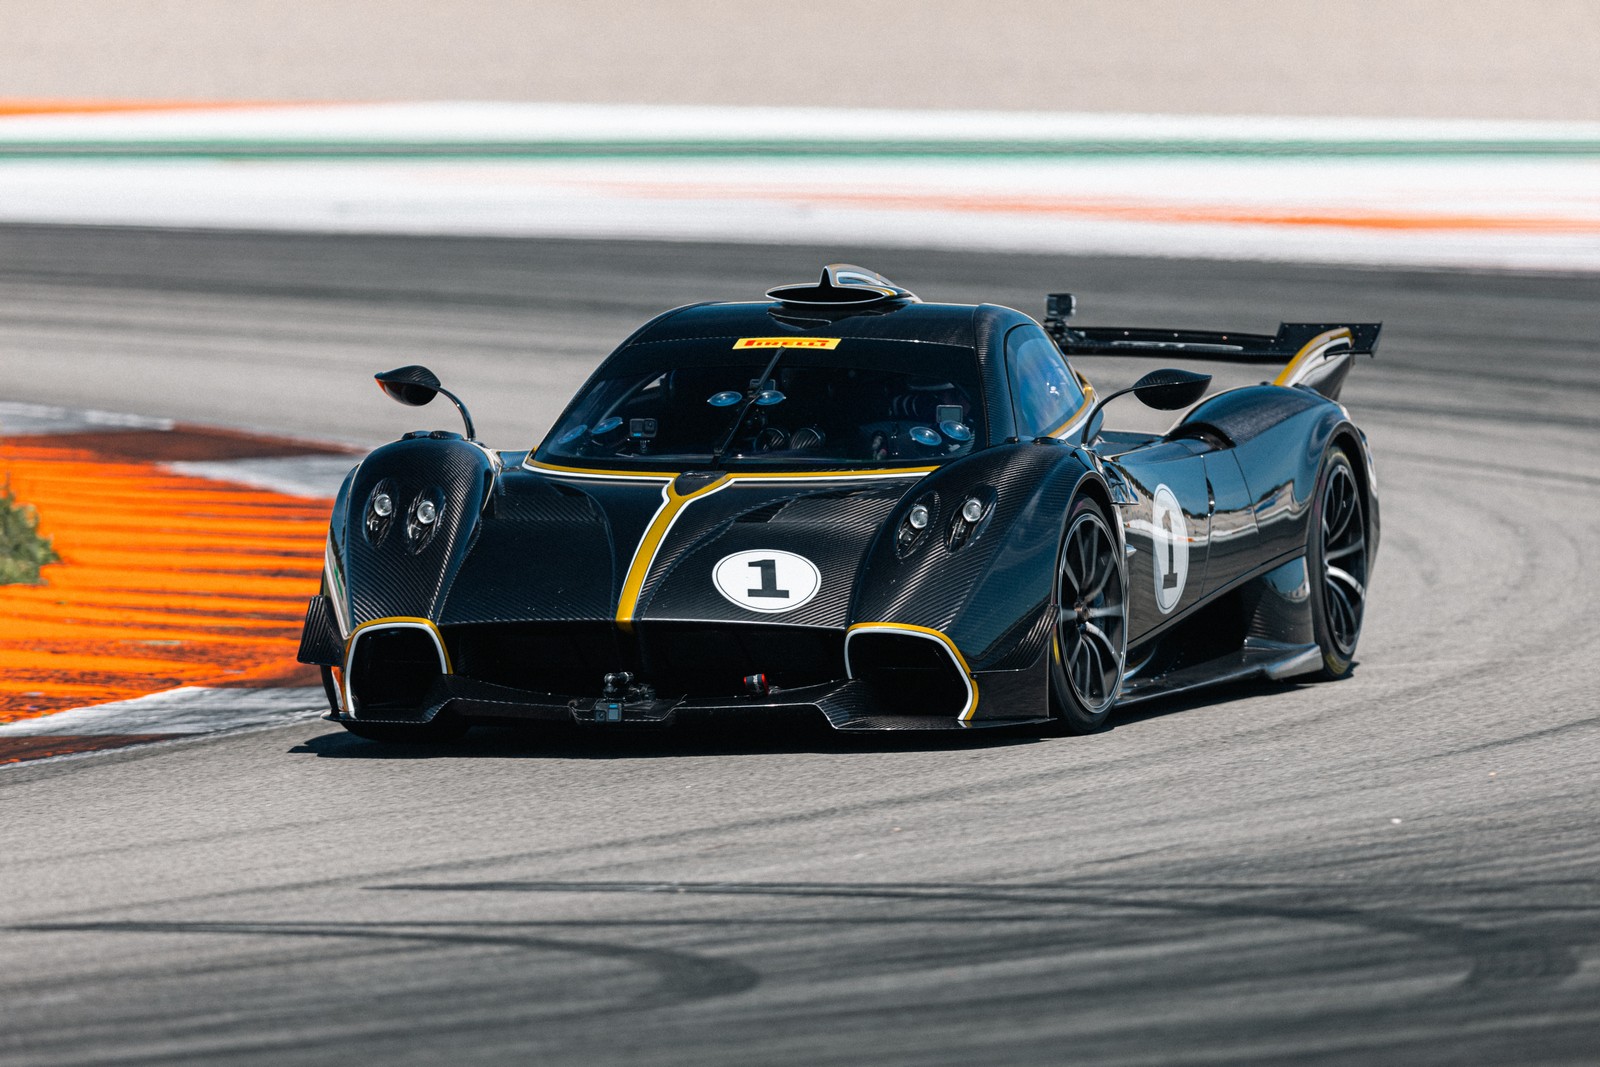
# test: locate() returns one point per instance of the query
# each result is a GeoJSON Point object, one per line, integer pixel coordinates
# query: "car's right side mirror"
{"type": "Point", "coordinates": [1169, 389]}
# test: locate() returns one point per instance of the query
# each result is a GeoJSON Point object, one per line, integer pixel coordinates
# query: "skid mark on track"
{"type": "Point", "coordinates": [681, 977]}
{"type": "Point", "coordinates": [1494, 957]}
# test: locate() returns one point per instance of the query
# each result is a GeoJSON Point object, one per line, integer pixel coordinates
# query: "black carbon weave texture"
{"type": "Point", "coordinates": [832, 528]}
{"type": "Point", "coordinates": [544, 551]}
{"type": "Point", "coordinates": [387, 579]}
{"type": "Point", "coordinates": [996, 582]}
{"type": "Point", "coordinates": [1242, 414]}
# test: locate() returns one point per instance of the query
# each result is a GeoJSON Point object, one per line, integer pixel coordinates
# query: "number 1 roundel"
{"type": "Point", "coordinates": [1169, 546]}
{"type": "Point", "coordinates": [767, 580]}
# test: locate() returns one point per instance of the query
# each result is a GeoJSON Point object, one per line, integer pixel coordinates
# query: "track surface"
{"type": "Point", "coordinates": [1400, 868]}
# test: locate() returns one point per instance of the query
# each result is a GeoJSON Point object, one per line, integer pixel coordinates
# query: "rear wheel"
{"type": "Point", "coordinates": [1090, 642]}
{"type": "Point", "coordinates": [1336, 563]}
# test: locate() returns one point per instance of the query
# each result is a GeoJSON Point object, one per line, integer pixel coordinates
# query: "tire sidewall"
{"type": "Point", "coordinates": [1064, 704]}
{"type": "Point", "coordinates": [1335, 664]}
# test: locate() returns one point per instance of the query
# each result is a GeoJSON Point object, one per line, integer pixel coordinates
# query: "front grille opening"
{"type": "Point", "coordinates": [393, 669]}
{"type": "Point", "coordinates": [910, 675]}
{"type": "Point", "coordinates": [677, 659]}
{"type": "Point", "coordinates": [567, 658]}
{"type": "Point", "coordinates": [711, 661]}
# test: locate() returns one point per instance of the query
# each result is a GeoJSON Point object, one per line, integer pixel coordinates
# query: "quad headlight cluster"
{"type": "Point", "coordinates": [968, 518]}
{"type": "Point", "coordinates": [421, 516]}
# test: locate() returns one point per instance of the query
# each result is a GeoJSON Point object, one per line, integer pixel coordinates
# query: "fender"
{"type": "Point", "coordinates": [399, 566]}
{"type": "Point", "coordinates": [985, 586]}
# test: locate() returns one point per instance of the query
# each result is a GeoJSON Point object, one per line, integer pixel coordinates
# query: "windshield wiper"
{"type": "Point", "coordinates": [751, 396]}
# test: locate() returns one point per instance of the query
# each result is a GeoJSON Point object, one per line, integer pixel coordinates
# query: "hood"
{"type": "Point", "coordinates": [781, 549]}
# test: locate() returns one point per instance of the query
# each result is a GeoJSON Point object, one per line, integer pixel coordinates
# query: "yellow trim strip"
{"type": "Point", "coordinates": [402, 621]}
{"type": "Point", "coordinates": [924, 631]}
{"type": "Point", "coordinates": [1083, 409]}
{"type": "Point", "coordinates": [540, 465]}
{"type": "Point", "coordinates": [672, 503]}
{"type": "Point", "coordinates": [1309, 350]}
{"type": "Point", "coordinates": [738, 476]}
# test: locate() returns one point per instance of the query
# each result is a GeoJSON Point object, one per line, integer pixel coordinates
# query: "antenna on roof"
{"type": "Point", "coordinates": [843, 285]}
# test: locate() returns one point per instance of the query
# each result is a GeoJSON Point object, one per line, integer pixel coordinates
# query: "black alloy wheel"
{"type": "Point", "coordinates": [1336, 555]}
{"type": "Point", "coordinates": [1089, 647]}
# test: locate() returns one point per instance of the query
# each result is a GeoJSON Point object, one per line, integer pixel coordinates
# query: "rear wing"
{"type": "Point", "coordinates": [1314, 354]}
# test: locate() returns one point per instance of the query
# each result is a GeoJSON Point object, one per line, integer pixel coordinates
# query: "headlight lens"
{"type": "Point", "coordinates": [423, 519]}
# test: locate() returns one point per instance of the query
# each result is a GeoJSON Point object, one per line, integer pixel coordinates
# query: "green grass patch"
{"type": "Point", "coordinates": [22, 550]}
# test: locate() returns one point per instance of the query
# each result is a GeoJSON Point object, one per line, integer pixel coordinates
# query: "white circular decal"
{"type": "Point", "coordinates": [1169, 544]}
{"type": "Point", "coordinates": [767, 580]}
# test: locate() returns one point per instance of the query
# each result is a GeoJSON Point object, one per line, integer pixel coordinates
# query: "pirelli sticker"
{"type": "Point", "coordinates": [787, 342]}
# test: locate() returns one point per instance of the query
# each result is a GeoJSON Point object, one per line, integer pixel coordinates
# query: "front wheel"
{"type": "Point", "coordinates": [1090, 642]}
{"type": "Point", "coordinates": [1336, 562]}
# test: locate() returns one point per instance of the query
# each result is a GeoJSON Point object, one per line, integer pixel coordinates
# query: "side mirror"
{"type": "Point", "coordinates": [415, 386]}
{"type": "Point", "coordinates": [1169, 389]}
{"type": "Point", "coordinates": [412, 386]}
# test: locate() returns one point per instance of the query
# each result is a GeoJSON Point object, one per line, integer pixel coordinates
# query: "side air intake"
{"type": "Point", "coordinates": [842, 285]}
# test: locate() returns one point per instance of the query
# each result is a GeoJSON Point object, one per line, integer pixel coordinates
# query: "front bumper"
{"type": "Point", "coordinates": [848, 705]}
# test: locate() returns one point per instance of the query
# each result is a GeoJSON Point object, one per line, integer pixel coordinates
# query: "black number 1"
{"type": "Point", "coordinates": [769, 580]}
{"type": "Point", "coordinates": [1170, 579]}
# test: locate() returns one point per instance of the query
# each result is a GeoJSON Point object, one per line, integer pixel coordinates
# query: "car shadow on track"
{"type": "Point", "coordinates": [776, 734]}
{"type": "Point", "coordinates": [554, 741]}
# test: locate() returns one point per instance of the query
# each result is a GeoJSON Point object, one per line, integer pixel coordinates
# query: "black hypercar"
{"type": "Point", "coordinates": [898, 514]}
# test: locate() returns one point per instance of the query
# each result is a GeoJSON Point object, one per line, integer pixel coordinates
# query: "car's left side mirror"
{"type": "Point", "coordinates": [1169, 389]}
{"type": "Point", "coordinates": [413, 386]}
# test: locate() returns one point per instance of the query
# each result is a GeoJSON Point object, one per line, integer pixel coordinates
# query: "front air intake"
{"type": "Point", "coordinates": [911, 673]}
{"type": "Point", "coordinates": [392, 670]}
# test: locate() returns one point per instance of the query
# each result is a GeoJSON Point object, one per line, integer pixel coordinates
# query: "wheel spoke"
{"type": "Point", "coordinates": [1341, 552]}
{"type": "Point", "coordinates": [1067, 571]}
{"type": "Point", "coordinates": [1091, 614]}
{"type": "Point", "coordinates": [1348, 579]}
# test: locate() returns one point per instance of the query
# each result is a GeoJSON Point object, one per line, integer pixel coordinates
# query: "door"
{"type": "Point", "coordinates": [1168, 530]}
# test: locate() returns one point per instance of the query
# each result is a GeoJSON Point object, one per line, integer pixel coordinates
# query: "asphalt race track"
{"type": "Point", "coordinates": [1403, 868]}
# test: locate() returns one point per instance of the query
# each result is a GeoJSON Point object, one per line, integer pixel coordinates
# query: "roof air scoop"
{"type": "Point", "coordinates": [842, 285]}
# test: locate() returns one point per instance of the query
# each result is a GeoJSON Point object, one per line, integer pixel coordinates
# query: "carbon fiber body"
{"type": "Point", "coordinates": [537, 584]}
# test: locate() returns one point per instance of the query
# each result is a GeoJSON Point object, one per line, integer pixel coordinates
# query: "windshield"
{"type": "Point", "coordinates": [722, 401]}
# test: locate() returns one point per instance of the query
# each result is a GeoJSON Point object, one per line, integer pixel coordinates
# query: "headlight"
{"type": "Point", "coordinates": [379, 512]}
{"type": "Point", "coordinates": [917, 519]}
{"type": "Point", "coordinates": [970, 518]}
{"type": "Point", "coordinates": [422, 520]}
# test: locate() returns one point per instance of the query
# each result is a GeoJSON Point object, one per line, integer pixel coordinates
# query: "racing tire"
{"type": "Point", "coordinates": [1337, 564]}
{"type": "Point", "coordinates": [1089, 643]}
